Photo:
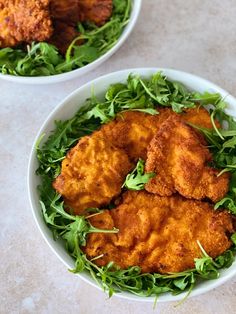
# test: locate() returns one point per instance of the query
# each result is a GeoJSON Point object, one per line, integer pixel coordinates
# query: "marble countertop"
{"type": "Point", "coordinates": [194, 36]}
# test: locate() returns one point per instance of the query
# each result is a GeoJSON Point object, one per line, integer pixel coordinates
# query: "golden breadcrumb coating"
{"type": "Point", "coordinates": [159, 234]}
{"type": "Point", "coordinates": [92, 173]}
{"type": "Point", "coordinates": [66, 11]}
{"type": "Point", "coordinates": [63, 35]}
{"type": "Point", "coordinates": [180, 161]}
{"type": "Point", "coordinates": [96, 11]}
{"type": "Point", "coordinates": [133, 130]}
{"type": "Point", "coordinates": [24, 21]}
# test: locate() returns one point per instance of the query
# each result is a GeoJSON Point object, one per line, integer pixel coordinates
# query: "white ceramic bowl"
{"type": "Point", "coordinates": [66, 109]}
{"type": "Point", "coordinates": [136, 6]}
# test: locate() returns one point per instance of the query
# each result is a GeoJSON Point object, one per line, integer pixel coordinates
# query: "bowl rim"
{"type": "Point", "coordinates": [57, 78]}
{"type": "Point", "coordinates": [30, 173]}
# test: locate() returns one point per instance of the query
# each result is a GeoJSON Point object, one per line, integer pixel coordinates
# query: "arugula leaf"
{"type": "Point", "coordinates": [226, 259]}
{"type": "Point", "coordinates": [233, 238]}
{"type": "Point", "coordinates": [113, 279]}
{"type": "Point", "coordinates": [113, 90]}
{"type": "Point", "coordinates": [160, 91]}
{"type": "Point", "coordinates": [206, 98]}
{"type": "Point", "coordinates": [79, 229]}
{"type": "Point", "coordinates": [72, 229]}
{"type": "Point", "coordinates": [206, 265]}
{"type": "Point", "coordinates": [144, 95]}
{"type": "Point", "coordinates": [40, 59]}
{"type": "Point", "coordinates": [136, 180]}
{"type": "Point", "coordinates": [229, 201]}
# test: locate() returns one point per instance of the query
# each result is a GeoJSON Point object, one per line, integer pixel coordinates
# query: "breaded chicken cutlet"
{"type": "Point", "coordinates": [24, 21]}
{"type": "Point", "coordinates": [65, 16]}
{"type": "Point", "coordinates": [159, 234]}
{"type": "Point", "coordinates": [96, 11]}
{"type": "Point", "coordinates": [92, 173]}
{"type": "Point", "coordinates": [66, 11]}
{"type": "Point", "coordinates": [53, 21]}
{"type": "Point", "coordinates": [180, 160]}
{"type": "Point", "coordinates": [63, 35]}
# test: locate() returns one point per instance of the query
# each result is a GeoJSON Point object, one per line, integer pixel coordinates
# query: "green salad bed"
{"type": "Point", "coordinates": [43, 59]}
{"type": "Point", "coordinates": [145, 95]}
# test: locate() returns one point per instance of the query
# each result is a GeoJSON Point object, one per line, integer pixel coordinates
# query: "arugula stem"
{"type": "Point", "coordinates": [61, 211]}
{"type": "Point", "coordinates": [95, 230]}
{"type": "Point", "coordinates": [214, 125]}
{"type": "Point", "coordinates": [96, 257]}
{"type": "Point", "coordinates": [95, 214]}
{"type": "Point", "coordinates": [186, 295]}
{"type": "Point", "coordinates": [148, 91]}
{"type": "Point", "coordinates": [223, 171]}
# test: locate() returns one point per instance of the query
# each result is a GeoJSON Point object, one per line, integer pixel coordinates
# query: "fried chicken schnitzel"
{"type": "Point", "coordinates": [72, 11]}
{"type": "Point", "coordinates": [133, 130]}
{"type": "Point", "coordinates": [24, 21]}
{"type": "Point", "coordinates": [180, 161]}
{"type": "Point", "coordinates": [92, 173]}
{"type": "Point", "coordinates": [63, 35]}
{"type": "Point", "coordinates": [159, 234]}
{"type": "Point", "coordinates": [66, 11]}
{"type": "Point", "coordinates": [96, 11]}
{"type": "Point", "coordinates": [65, 16]}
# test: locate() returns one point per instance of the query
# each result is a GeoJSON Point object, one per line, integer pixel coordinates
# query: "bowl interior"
{"type": "Point", "coordinates": [67, 109]}
{"type": "Point", "coordinates": [136, 6]}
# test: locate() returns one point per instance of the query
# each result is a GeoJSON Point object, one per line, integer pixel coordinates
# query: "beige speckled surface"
{"type": "Point", "coordinates": [195, 36]}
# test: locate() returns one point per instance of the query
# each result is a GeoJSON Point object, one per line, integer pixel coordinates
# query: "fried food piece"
{"type": "Point", "coordinates": [24, 21]}
{"type": "Point", "coordinates": [65, 14]}
{"type": "Point", "coordinates": [198, 116]}
{"type": "Point", "coordinates": [63, 35]}
{"type": "Point", "coordinates": [92, 173]}
{"type": "Point", "coordinates": [96, 11]}
{"type": "Point", "coordinates": [65, 10]}
{"type": "Point", "coordinates": [179, 159]}
{"type": "Point", "coordinates": [159, 234]}
{"type": "Point", "coordinates": [133, 130]}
